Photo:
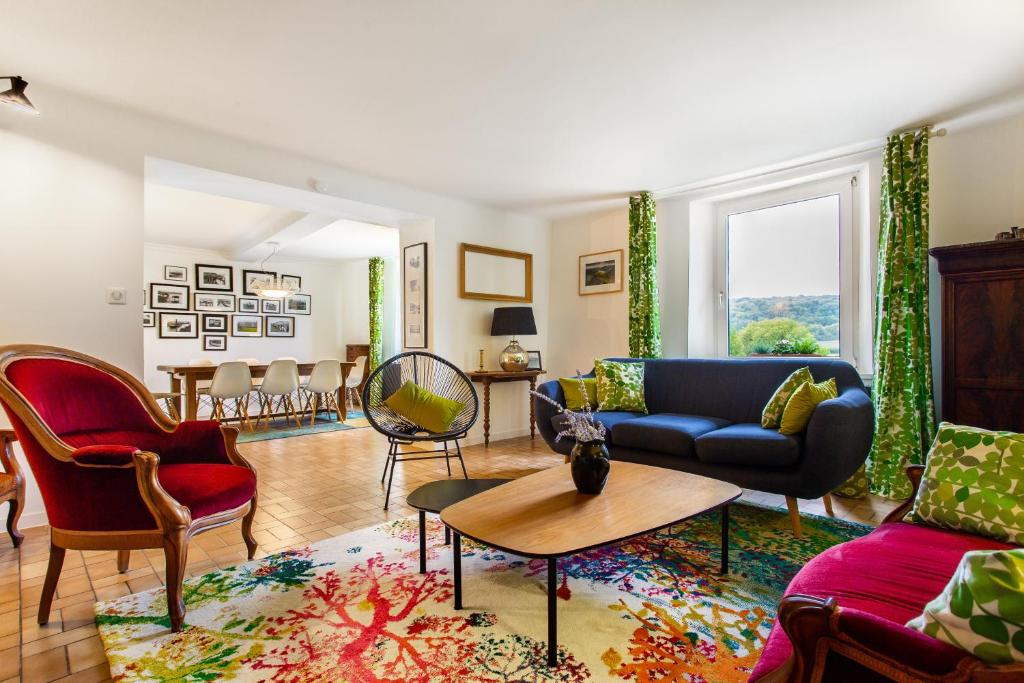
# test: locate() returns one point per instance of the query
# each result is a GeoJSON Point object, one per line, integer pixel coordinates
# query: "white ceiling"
{"type": "Point", "coordinates": [198, 220]}
{"type": "Point", "coordinates": [532, 105]}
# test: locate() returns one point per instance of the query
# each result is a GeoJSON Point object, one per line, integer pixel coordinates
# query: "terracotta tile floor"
{"type": "Point", "coordinates": [311, 488]}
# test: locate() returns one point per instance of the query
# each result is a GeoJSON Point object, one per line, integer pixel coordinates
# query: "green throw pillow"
{"type": "Point", "coordinates": [620, 386]}
{"type": "Point", "coordinates": [771, 416]}
{"type": "Point", "coordinates": [974, 482]}
{"type": "Point", "coordinates": [424, 408]}
{"type": "Point", "coordinates": [573, 395]}
{"type": "Point", "coordinates": [800, 406]}
{"type": "Point", "coordinates": [981, 610]}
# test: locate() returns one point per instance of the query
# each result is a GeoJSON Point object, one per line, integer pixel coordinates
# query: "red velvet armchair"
{"type": "Point", "coordinates": [115, 472]}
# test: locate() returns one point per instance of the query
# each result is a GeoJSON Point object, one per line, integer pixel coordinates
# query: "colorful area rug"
{"type": "Point", "coordinates": [281, 428]}
{"type": "Point", "coordinates": [354, 608]}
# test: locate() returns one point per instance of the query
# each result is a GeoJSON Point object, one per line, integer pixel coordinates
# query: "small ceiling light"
{"type": "Point", "coordinates": [15, 97]}
{"type": "Point", "coordinates": [272, 286]}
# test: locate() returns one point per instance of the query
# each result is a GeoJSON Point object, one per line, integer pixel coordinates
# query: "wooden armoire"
{"type": "Point", "coordinates": [983, 333]}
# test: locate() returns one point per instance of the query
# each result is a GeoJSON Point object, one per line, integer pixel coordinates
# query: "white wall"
{"type": "Point", "coordinates": [354, 279]}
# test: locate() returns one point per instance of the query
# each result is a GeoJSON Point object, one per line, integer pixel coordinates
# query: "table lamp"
{"type": "Point", "coordinates": [512, 321]}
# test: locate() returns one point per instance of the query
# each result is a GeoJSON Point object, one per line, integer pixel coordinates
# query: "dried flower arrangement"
{"type": "Point", "coordinates": [581, 426]}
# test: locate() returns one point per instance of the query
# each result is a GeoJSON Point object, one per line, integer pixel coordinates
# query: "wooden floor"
{"type": "Point", "coordinates": [311, 488]}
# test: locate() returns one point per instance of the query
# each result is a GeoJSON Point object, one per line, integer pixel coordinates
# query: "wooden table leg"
{"type": "Point", "coordinates": [533, 412]}
{"type": "Point", "coordinates": [191, 397]}
{"type": "Point", "coordinates": [487, 411]}
{"type": "Point", "coordinates": [176, 390]}
{"type": "Point", "coordinates": [343, 393]}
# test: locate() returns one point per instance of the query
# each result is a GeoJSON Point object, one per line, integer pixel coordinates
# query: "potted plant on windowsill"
{"type": "Point", "coordinates": [590, 460]}
{"type": "Point", "coordinates": [805, 346]}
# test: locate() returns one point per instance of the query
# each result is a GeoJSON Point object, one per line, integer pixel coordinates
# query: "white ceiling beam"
{"type": "Point", "coordinates": [285, 227]}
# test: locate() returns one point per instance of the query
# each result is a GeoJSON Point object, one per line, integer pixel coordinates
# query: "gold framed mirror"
{"type": "Point", "coordinates": [493, 274]}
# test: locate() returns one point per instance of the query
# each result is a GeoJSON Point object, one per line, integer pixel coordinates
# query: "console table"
{"type": "Point", "coordinates": [488, 377]}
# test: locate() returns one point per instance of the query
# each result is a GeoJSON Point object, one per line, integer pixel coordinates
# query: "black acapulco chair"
{"type": "Point", "coordinates": [436, 375]}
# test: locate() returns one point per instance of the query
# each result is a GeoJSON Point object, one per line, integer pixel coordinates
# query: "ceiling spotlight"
{"type": "Point", "coordinates": [15, 97]}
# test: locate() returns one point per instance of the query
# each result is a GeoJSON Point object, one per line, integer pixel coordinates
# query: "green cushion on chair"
{"type": "Point", "coordinates": [424, 408]}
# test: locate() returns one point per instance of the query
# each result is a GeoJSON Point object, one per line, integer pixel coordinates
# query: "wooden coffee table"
{"type": "Point", "coordinates": [543, 516]}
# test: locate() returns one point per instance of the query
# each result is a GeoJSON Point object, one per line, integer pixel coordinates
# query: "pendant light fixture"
{"type": "Point", "coordinates": [15, 97]}
{"type": "Point", "coordinates": [272, 286]}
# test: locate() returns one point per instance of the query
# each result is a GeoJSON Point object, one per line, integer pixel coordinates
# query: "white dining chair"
{"type": "Point", "coordinates": [280, 381]}
{"type": "Point", "coordinates": [355, 378]}
{"type": "Point", "coordinates": [232, 380]}
{"type": "Point", "coordinates": [324, 381]}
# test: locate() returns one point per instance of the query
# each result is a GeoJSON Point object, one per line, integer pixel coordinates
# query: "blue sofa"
{"type": "Point", "coordinates": [705, 417]}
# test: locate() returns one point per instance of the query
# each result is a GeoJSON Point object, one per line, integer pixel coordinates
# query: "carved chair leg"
{"type": "Point", "coordinates": [124, 557]}
{"type": "Point", "coordinates": [175, 555]}
{"type": "Point", "coordinates": [827, 500]}
{"type": "Point", "coordinates": [50, 584]}
{"type": "Point", "coordinates": [250, 540]}
{"type": "Point", "coordinates": [794, 514]}
{"type": "Point", "coordinates": [14, 514]}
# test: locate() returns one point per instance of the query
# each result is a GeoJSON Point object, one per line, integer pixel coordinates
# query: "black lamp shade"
{"type": "Point", "coordinates": [509, 321]}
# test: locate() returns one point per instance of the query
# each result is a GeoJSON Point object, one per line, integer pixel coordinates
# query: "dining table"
{"type": "Point", "coordinates": [191, 375]}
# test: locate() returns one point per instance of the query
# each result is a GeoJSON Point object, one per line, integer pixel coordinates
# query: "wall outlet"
{"type": "Point", "coordinates": [117, 296]}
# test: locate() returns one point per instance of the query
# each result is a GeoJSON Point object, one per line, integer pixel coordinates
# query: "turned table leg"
{"type": "Point", "coordinates": [487, 412]}
{"type": "Point", "coordinates": [533, 411]}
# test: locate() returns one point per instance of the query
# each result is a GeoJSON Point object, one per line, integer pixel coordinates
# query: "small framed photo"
{"type": "Point", "coordinates": [215, 322]}
{"type": "Point", "coordinates": [248, 276]}
{"type": "Point", "coordinates": [293, 279]}
{"type": "Point", "coordinates": [176, 273]}
{"type": "Point", "coordinates": [166, 297]}
{"type": "Point", "coordinates": [600, 273]}
{"type": "Point", "coordinates": [220, 303]}
{"type": "Point", "coordinates": [248, 305]}
{"type": "Point", "coordinates": [215, 342]}
{"type": "Point", "coordinates": [246, 326]}
{"type": "Point", "coordinates": [272, 306]}
{"type": "Point", "coordinates": [179, 325]}
{"type": "Point", "coordinates": [214, 278]}
{"type": "Point", "coordinates": [298, 304]}
{"type": "Point", "coordinates": [148, 319]}
{"type": "Point", "coordinates": [280, 326]}
{"type": "Point", "coordinates": [534, 363]}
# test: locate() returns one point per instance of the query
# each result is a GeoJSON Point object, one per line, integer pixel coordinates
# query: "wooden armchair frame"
{"type": "Point", "coordinates": [813, 627]}
{"type": "Point", "coordinates": [174, 523]}
{"type": "Point", "coordinates": [16, 496]}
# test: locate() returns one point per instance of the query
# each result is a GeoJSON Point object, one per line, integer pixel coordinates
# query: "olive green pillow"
{"type": "Point", "coordinates": [620, 386]}
{"type": "Point", "coordinates": [424, 408]}
{"type": "Point", "coordinates": [800, 406]}
{"type": "Point", "coordinates": [772, 413]}
{"type": "Point", "coordinates": [974, 482]}
{"type": "Point", "coordinates": [981, 610]}
{"type": "Point", "coordinates": [574, 399]}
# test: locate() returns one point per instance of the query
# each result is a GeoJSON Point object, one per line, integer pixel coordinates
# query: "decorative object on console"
{"type": "Point", "coordinates": [492, 274]}
{"type": "Point", "coordinates": [215, 342]}
{"type": "Point", "coordinates": [280, 326]}
{"type": "Point", "coordinates": [512, 321]}
{"type": "Point", "coordinates": [168, 297]}
{"type": "Point", "coordinates": [179, 325]}
{"type": "Point", "coordinates": [246, 326]}
{"type": "Point", "coordinates": [644, 318]}
{"type": "Point", "coordinates": [248, 305]}
{"type": "Point", "coordinates": [215, 322]}
{"type": "Point", "coordinates": [267, 284]}
{"type": "Point", "coordinates": [414, 301]}
{"type": "Point", "coordinates": [148, 319]}
{"type": "Point", "coordinates": [535, 362]}
{"type": "Point", "coordinates": [176, 273]}
{"type": "Point", "coordinates": [298, 304]}
{"type": "Point", "coordinates": [480, 366]}
{"type": "Point", "coordinates": [219, 303]}
{"type": "Point", "coordinates": [15, 97]}
{"type": "Point", "coordinates": [210, 278]}
{"type": "Point", "coordinates": [600, 273]}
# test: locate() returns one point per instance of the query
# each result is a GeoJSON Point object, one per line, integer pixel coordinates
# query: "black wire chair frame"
{"type": "Point", "coordinates": [435, 374]}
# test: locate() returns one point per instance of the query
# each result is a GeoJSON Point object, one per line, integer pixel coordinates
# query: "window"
{"type": "Point", "coordinates": [786, 278]}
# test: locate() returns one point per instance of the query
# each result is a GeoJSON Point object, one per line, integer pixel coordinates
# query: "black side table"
{"type": "Point", "coordinates": [437, 495]}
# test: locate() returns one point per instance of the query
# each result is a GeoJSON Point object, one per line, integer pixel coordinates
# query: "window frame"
{"type": "Point", "coordinates": [849, 275]}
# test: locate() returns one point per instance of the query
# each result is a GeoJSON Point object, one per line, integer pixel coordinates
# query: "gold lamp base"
{"type": "Point", "coordinates": [514, 358]}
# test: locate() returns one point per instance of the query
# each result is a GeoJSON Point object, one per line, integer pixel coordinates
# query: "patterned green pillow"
{"type": "Point", "coordinates": [771, 416]}
{"type": "Point", "coordinates": [981, 610]}
{"type": "Point", "coordinates": [974, 482]}
{"type": "Point", "coordinates": [620, 386]}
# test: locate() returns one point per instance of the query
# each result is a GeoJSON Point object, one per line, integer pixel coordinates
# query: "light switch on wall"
{"type": "Point", "coordinates": [117, 296]}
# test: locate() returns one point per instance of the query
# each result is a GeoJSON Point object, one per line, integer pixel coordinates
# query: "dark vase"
{"type": "Point", "coordinates": [590, 466]}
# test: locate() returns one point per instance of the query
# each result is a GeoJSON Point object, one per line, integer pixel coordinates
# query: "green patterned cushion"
{"type": "Point", "coordinates": [981, 610]}
{"type": "Point", "coordinates": [856, 486]}
{"type": "Point", "coordinates": [620, 386]}
{"type": "Point", "coordinates": [772, 413]}
{"type": "Point", "coordinates": [974, 482]}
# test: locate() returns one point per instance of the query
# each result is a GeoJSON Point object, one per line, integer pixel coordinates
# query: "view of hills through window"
{"type": "Point", "coordinates": [783, 279]}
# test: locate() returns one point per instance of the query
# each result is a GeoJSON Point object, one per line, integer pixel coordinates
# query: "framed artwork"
{"type": "Point", "coordinates": [167, 297]}
{"type": "Point", "coordinates": [215, 322]}
{"type": "Point", "coordinates": [249, 275]}
{"type": "Point", "coordinates": [148, 319]}
{"type": "Point", "coordinates": [220, 303]}
{"type": "Point", "coordinates": [214, 278]}
{"type": "Point", "coordinates": [298, 304]}
{"type": "Point", "coordinates": [601, 273]}
{"type": "Point", "coordinates": [248, 305]}
{"type": "Point", "coordinates": [414, 296]}
{"type": "Point", "coordinates": [246, 326]}
{"type": "Point", "coordinates": [280, 326]}
{"type": "Point", "coordinates": [293, 279]}
{"type": "Point", "coordinates": [179, 325]}
{"type": "Point", "coordinates": [215, 342]}
{"type": "Point", "coordinates": [272, 306]}
{"type": "Point", "coordinates": [535, 362]}
{"type": "Point", "coordinates": [176, 273]}
{"type": "Point", "coordinates": [492, 274]}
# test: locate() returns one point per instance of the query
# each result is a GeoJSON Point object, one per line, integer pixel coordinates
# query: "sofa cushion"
{"type": "Point", "coordinates": [665, 433]}
{"type": "Point", "coordinates": [609, 418]}
{"type": "Point", "coordinates": [748, 445]}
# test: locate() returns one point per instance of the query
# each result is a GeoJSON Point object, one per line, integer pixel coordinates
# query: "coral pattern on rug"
{"type": "Point", "coordinates": [354, 608]}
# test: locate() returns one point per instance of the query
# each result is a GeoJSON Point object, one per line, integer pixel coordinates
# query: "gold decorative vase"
{"type": "Point", "coordinates": [514, 358]}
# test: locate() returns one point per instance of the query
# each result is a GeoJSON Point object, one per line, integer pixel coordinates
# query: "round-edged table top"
{"type": "Point", "coordinates": [437, 495]}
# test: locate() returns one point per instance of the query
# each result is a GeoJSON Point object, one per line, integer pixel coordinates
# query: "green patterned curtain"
{"type": "Point", "coordinates": [902, 389]}
{"type": "Point", "coordinates": [376, 311]}
{"type": "Point", "coordinates": [644, 318]}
